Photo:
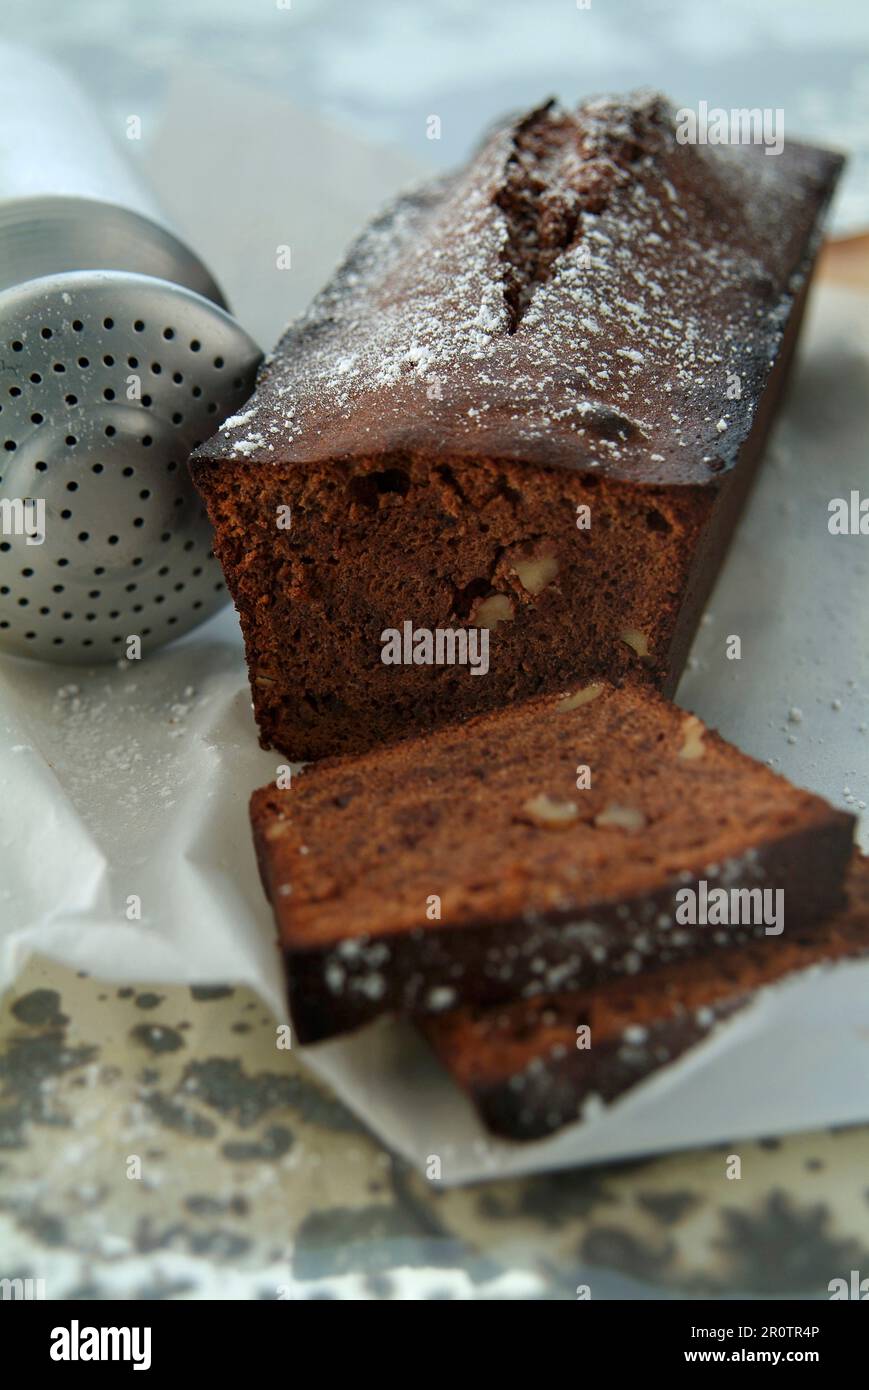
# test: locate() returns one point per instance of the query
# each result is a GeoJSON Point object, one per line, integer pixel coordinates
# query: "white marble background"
{"type": "Point", "coordinates": [378, 68]}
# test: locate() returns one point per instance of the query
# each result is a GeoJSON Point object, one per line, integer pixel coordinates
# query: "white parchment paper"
{"type": "Point", "coordinates": [124, 789]}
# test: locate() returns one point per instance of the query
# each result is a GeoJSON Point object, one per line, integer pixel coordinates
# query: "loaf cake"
{"type": "Point", "coordinates": [529, 1068]}
{"type": "Point", "coordinates": [475, 865]}
{"type": "Point", "coordinates": [528, 405]}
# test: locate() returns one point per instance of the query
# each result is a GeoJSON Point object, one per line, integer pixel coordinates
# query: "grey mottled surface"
{"type": "Point", "coordinates": [256, 1184]}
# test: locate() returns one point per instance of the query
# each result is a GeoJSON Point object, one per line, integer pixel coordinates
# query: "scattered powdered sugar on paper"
{"type": "Point", "coordinates": [102, 723]}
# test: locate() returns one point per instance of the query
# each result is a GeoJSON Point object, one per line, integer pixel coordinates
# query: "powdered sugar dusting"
{"type": "Point", "coordinates": [588, 292]}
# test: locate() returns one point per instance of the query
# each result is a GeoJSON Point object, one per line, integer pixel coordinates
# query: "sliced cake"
{"type": "Point", "coordinates": [542, 848]}
{"type": "Point", "coordinates": [531, 1068]}
{"type": "Point", "coordinates": [529, 405]}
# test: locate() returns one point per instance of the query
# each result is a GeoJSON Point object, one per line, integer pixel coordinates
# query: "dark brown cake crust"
{"type": "Point", "coordinates": [520, 1063]}
{"type": "Point", "coordinates": [351, 855]}
{"type": "Point", "coordinates": [589, 315]}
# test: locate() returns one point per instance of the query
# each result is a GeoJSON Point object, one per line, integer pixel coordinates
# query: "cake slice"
{"type": "Point", "coordinates": [525, 412]}
{"type": "Point", "coordinates": [531, 1068]}
{"type": "Point", "coordinates": [532, 850]}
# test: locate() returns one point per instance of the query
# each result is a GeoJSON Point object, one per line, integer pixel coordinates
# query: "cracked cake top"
{"type": "Point", "coordinates": [587, 292]}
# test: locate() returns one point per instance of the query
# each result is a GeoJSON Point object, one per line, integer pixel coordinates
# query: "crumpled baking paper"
{"type": "Point", "coordinates": [124, 837]}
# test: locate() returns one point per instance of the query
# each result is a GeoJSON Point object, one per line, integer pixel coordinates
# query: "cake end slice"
{"type": "Point", "coordinates": [532, 1068]}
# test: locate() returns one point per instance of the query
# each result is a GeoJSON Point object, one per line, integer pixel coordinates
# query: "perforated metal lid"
{"type": "Point", "coordinates": [108, 380]}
